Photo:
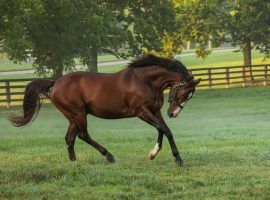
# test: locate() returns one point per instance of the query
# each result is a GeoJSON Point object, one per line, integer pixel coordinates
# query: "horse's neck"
{"type": "Point", "coordinates": [156, 77]}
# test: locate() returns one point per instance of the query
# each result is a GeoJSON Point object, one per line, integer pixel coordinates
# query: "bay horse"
{"type": "Point", "coordinates": [135, 91]}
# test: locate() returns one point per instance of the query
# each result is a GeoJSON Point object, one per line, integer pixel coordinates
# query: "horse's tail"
{"type": "Point", "coordinates": [31, 102]}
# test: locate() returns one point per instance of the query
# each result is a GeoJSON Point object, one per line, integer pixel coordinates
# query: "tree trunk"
{"type": "Point", "coordinates": [57, 72]}
{"type": "Point", "coordinates": [188, 45]}
{"type": "Point", "coordinates": [92, 60]}
{"type": "Point", "coordinates": [247, 59]}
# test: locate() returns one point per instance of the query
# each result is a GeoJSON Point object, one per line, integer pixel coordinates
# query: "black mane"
{"type": "Point", "coordinates": [148, 60]}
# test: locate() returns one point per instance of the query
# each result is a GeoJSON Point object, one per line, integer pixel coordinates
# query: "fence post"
{"type": "Point", "coordinates": [8, 95]}
{"type": "Point", "coordinates": [265, 75]}
{"type": "Point", "coordinates": [209, 77]}
{"type": "Point", "coordinates": [227, 77]}
{"type": "Point", "coordinates": [244, 76]}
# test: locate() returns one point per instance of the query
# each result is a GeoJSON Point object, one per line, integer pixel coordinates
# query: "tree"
{"type": "Point", "coordinates": [12, 31]}
{"type": "Point", "coordinates": [244, 23]}
{"type": "Point", "coordinates": [55, 32]}
{"type": "Point", "coordinates": [248, 26]}
{"type": "Point", "coordinates": [196, 21]}
{"type": "Point", "coordinates": [146, 23]}
{"type": "Point", "coordinates": [202, 23]}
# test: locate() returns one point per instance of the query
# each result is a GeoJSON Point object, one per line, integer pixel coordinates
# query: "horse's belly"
{"type": "Point", "coordinates": [110, 112]}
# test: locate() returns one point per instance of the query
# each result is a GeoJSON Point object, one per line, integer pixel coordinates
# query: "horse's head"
{"type": "Point", "coordinates": [179, 95]}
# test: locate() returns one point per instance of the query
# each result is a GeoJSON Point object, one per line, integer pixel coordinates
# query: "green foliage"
{"type": "Point", "coordinates": [245, 23]}
{"type": "Point", "coordinates": [196, 21]}
{"type": "Point", "coordinates": [54, 32]}
{"type": "Point", "coordinates": [12, 31]}
{"type": "Point", "coordinates": [248, 21]}
{"type": "Point", "coordinates": [246, 17]}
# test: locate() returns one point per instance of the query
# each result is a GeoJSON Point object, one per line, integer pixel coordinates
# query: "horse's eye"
{"type": "Point", "coordinates": [182, 95]}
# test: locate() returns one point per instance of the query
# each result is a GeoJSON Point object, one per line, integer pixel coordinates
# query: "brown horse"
{"type": "Point", "coordinates": [136, 91]}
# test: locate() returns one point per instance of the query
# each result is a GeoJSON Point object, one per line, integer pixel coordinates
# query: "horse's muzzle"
{"type": "Point", "coordinates": [174, 111]}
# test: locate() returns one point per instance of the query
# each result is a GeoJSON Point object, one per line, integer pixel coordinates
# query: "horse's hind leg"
{"type": "Point", "coordinates": [153, 152]}
{"type": "Point", "coordinates": [83, 135]}
{"type": "Point", "coordinates": [70, 140]}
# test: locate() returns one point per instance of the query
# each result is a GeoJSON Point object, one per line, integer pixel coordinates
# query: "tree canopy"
{"type": "Point", "coordinates": [247, 24]}
{"type": "Point", "coordinates": [53, 33]}
{"type": "Point", "coordinates": [243, 23]}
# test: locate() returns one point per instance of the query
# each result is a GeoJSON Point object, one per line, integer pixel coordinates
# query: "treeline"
{"type": "Point", "coordinates": [56, 32]}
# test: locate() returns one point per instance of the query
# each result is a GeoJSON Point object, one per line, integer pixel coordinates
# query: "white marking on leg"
{"type": "Point", "coordinates": [154, 151]}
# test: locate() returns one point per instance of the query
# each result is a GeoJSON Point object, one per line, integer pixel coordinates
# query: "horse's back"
{"type": "Point", "coordinates": [99, 94]}
{"type": "Point", "coordinates": [80, 83]}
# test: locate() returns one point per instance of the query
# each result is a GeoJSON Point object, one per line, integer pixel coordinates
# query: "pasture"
{"type": "Point", "coordinates": [7, 65]}
{"type": "Point", "coordinates": [223, 136]}
{"type": "Point", "coordinates": [216, 59]}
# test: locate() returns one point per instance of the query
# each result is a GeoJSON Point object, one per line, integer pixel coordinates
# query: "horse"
{"type": "Point", "coordinates": [135, 91]}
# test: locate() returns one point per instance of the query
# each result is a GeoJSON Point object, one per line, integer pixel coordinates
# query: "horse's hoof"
{"type": "Point", "coordinates": [179, 162]}
{"type": "Point", "coordinates": [110, 158]}
{"type": "Point", "coordinates": [152, 155]}
{"type": "Point", "coordinates": [72, 158]}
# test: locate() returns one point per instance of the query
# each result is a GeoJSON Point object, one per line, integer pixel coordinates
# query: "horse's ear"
{"type": "Point", "coordinates": [196, 82]}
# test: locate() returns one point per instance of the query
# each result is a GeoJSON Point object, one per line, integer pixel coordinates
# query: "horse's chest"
{"type": "Point", "coordinates": [152, 103]}
{"type": "Point", "coordinates": [157, 103]}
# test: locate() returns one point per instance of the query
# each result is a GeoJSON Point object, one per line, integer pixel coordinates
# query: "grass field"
{"type": "Point", "coordinates": [6, 65]}
{"type": "Point", "coordinates": [223, 136]}
{"type": "Point", "coordinates": [215, 59]}
{"type": "Point", "coordinates": [221, 59]}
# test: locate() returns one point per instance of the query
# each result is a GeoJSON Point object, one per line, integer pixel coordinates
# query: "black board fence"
{"type": "Point", "coordinates": [12, 90]}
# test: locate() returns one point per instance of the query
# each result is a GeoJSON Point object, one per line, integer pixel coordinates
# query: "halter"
{"type": "Point", "coordinates": [177, 87]}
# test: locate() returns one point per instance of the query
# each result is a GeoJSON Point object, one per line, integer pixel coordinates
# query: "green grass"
{"type": "Point", "coordinates": [216, 59]}
{"type": "Point", "coordinates": [7, 65]}
{"type": "Point", "coordinates": [18, 76]}
{"type": "Point", "coordinates": [110, 69]}
{"type": "Point", "coordinates": [221, 59]}
{"type": "Point", "coordinates": [223, 136]}
{"type": "Point", "coordinates": [213, 60]}
{"type": "Point", "coordinates": [107, 58]}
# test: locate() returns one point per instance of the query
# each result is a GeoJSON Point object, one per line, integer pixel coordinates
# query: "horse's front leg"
{"type": "Point", "coordinates": [153, 152]}
{"type": "Point", "coordinates": [161, 126]}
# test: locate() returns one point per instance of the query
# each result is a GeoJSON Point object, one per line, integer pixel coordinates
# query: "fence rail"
{"type": "Point", "coordinates": [12, 90]}
{"type": "Point", "coordinates": [233, 76]}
